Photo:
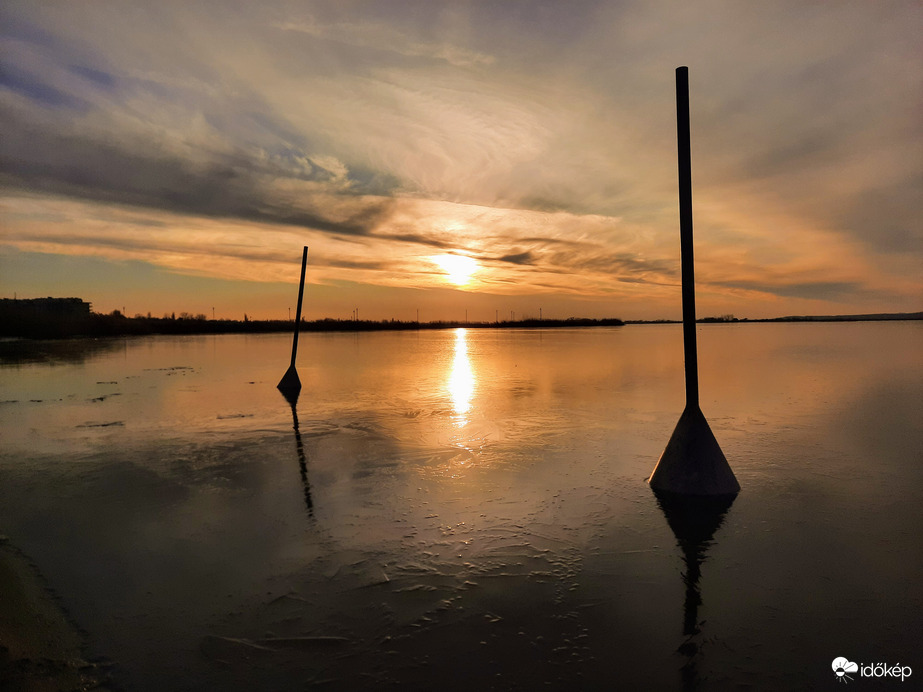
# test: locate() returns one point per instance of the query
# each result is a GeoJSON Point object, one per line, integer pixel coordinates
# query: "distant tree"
{"type": "Point", "coordinates": [722, 318]}
{"type": "Point", "coordinates": [201, 316]}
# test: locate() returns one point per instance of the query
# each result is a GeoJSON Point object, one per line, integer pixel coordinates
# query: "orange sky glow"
{"type": "Point", "coordinates": [446, 158]}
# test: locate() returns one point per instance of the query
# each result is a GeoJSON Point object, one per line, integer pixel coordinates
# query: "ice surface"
{"type": "Point", "coordinates": [452, 509]}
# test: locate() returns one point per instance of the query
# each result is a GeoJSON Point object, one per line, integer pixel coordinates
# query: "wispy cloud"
{"type": "Point", "coordinates": [537, 138]}
{"type": "Point", "coordinates": [384, 38]}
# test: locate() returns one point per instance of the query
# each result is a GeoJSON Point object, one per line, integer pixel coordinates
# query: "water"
{"type": "Point", "coordinates": [450, 509]}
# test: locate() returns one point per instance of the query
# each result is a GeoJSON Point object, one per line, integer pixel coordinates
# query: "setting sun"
{"type": "Point", "coordinates": [458, 267]}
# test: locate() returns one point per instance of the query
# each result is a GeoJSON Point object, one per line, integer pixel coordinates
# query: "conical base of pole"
{"type": "Point", "coordinates": [693, 463]}
{"type": "Point", "coordinates": [290, 380]}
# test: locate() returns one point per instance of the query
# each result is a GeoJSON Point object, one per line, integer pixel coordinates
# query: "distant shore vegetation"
{"type": "Point", "coordinates": [61, 318]}
{"type": "Point", "coordinates": [57, 318]}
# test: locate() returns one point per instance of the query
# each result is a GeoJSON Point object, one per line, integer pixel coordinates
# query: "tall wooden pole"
{"type": "Point", "coordinates": [692, 463]}
{"type": "Point", "coordinates": [290, 380]}
{"type": "Point", "coordinates": [304, 265]}
{"type": "Point", "coordinates": [684, 151]}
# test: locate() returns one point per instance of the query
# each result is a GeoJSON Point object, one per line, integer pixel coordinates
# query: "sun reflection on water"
{"type": "Point", "coordinates": [461, 379]}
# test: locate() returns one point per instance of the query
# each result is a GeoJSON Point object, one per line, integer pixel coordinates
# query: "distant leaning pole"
{"type": "Point", "coordinates": [692, 463]}
{"type": "Point", "coordinates": [290, 383]}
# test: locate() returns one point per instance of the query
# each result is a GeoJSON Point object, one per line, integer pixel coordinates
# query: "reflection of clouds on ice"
{"type": "Point", "coordinates": [461, 379]}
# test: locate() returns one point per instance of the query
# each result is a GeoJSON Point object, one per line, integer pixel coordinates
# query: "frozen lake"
{"type": "Point", "coordinates": [467, 509]}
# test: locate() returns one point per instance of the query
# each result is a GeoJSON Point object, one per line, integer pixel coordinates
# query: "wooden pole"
{"type": "Point", "coordinates": [687, 261]}
{"type": "Point", "coordinates": [692, 463]}
{"type": "Point", "coordinates": [290, 380]}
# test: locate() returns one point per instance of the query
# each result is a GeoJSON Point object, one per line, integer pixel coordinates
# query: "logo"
{"type": "Point", "coordinates": [842, 667]}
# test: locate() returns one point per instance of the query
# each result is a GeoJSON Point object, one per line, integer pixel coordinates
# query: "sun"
{"type": "Point", "coordinates": [458, 267]}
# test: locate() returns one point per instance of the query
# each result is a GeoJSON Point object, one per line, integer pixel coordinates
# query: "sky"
{"type": "Point", "coordinates": [176, 156]}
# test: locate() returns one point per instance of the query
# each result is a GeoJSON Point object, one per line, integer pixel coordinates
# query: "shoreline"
{"type": "Point", "coordinates": [98, 325]}
{"type": "Point", "coordinates": [40, 648]}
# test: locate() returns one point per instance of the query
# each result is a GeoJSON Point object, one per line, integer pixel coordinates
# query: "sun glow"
{"type": "Point", "coordinates": [458, 267]}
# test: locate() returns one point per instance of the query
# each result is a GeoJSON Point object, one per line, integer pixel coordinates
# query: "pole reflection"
{"type": "Point", "coordinates": [291, 396]}
{"type": "Point", "coordinates": [461, 381]}
{"type": "Point", "coordinates": [694, 519]}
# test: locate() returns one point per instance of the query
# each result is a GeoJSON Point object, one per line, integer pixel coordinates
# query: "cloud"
{"type": "Point", "coordinates": [387, 39]}
{"type": "Point", "coordinates": [538, 138]}
{"type": "Point", "coordinates": [33, 88]}
{"type": "Point", "coordinates": [292, 189]}
{"type": "Point", "coordinates": [524, 257]}
{"type": "Point", "coordinates": [886, 213]}
{"type": "Point", "coordinates": [811, 290]}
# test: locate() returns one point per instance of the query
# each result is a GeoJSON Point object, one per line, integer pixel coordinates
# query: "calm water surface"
{"type": "Point", "coordinates": [455, 508]}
